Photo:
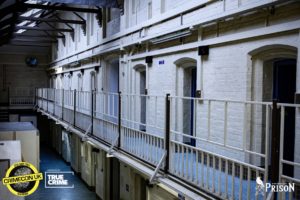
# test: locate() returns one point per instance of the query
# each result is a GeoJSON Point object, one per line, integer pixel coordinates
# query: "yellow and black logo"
{"type": "Point", "coordinates": [22, 179]}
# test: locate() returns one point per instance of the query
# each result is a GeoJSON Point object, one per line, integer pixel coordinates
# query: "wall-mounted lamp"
{"type": "Point", "coordinates": [172, 36]}
{"type": "Point", "coordinates": [203, 50]}
{"type": "Point", "coordinates": [198, 93]}
{"type": "Point", "coordinates": [97, 68]}
{"type": "Point", "coordinates": [74, 64]}
{"type": "Point", "coordinates": [96, 150]}
{"type": "Point", "coordinates": [149, 59]}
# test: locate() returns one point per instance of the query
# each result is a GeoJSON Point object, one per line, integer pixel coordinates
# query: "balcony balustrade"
{"type": "Point", "coordinates": [217, 146]}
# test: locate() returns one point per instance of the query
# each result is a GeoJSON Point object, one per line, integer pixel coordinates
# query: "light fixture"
{"type": "Point", "coordinates": [97, 68]}
{"type": "Point", "coordinates": [74, 64]}
{"type": "Point", "coordinates": [170, 37]}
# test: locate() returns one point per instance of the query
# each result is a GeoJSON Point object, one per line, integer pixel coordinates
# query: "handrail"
{"type": "Point", "coordinates": [220, 144]}
{"type": "Point", "coordinates": [21, 100]}
{"type": "Point", "coordinates": [220, 156]}
{"type": "Point", "coordinates": [222, 100]}
{"type": "Point", "coordinates": [184, 97]}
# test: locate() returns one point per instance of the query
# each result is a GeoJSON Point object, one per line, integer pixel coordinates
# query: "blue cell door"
{"type": "Point", "coordinates": [113, 89]}
{"type": "Point", "coordinates": [284, 88]}
{"type": "Point", "coordinates": [143, 100]}
{"type": "Point", "coordinates": [193, 94]}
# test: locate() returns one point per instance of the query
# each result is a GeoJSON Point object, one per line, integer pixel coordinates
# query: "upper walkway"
{"type": "Point", "coordinates": [219, 155]}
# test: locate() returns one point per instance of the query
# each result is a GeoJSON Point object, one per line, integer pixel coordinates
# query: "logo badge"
{"type": "Point", "coordinates": [260, 186]}
{"type": "Point", "coordinates": [22, 179]}
{"type": "Point", "coordinates": [58, 179]}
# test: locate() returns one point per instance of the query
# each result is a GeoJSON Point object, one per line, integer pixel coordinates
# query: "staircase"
{"type": "Point", "coordinates": [4, 115]}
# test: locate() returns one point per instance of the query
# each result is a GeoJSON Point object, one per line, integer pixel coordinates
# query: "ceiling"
{"type": "Point", "coordinates": [33, 23]}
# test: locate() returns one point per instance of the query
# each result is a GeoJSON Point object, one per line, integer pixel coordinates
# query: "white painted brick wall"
{"type": "Point", "coordinates": [19, 75]}
{"type": "Point", "coordinates": [227, 74]}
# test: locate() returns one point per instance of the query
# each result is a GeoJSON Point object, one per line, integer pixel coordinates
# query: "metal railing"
{"type": "Point", "coordinates": [143, 130]}
{"type": "Point", "coordinates": [219, 146]}
{"type": "Point", "coordinates": [18, 97]}
{"type": "Point", "coordinates": [285, 164]}
{"type": "Point", "coordinates": [106, 112]}
{"type": "Point", "coordinates": [21, 91]}
{"type": "Point", "coordinates": [211, 144]}
{"type": "Point", "coordinates": [21, 101]}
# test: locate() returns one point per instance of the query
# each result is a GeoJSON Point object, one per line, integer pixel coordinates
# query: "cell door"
{"type": "Point", "coordinates": [112, 89]}
{"type": "Point", "coordinates": [190, 79]}
{"type": "Point", "coordinates": [284, 88]}
{"type": "Point", "coordinates": [193, 94]}
{"type": "Point", "coordinates": [114, 179]}
{"type": "Point", "coordinates": [143, 100]}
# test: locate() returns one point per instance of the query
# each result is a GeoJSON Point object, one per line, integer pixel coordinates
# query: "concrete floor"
{"type": "Point", "coordinates": [51, 161]}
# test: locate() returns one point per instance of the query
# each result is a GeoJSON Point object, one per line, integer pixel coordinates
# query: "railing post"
{"type": "Point", "coordinates": [54, 98]}
{"type": "Point", "coordinates": [35, 97]}
{"type": "Point", "coordinates": [47, 99]}
{"type": "Point", "coordinates": [275, 145]}
{"type": "Point", "coordinates": [119, 117]}
{"type": "Point", "coordinates": [74, 117]}
{"type": "Point", "coordinates": [62, 103]}
{"type": "Point", "coordinates": [43, 99]}
{"type": "Point", "coordinates": [92, 110]}
{"type": "Point", "coordinates": [8, 96]}
{"type": "Point", "coordinates": [167, 133]}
